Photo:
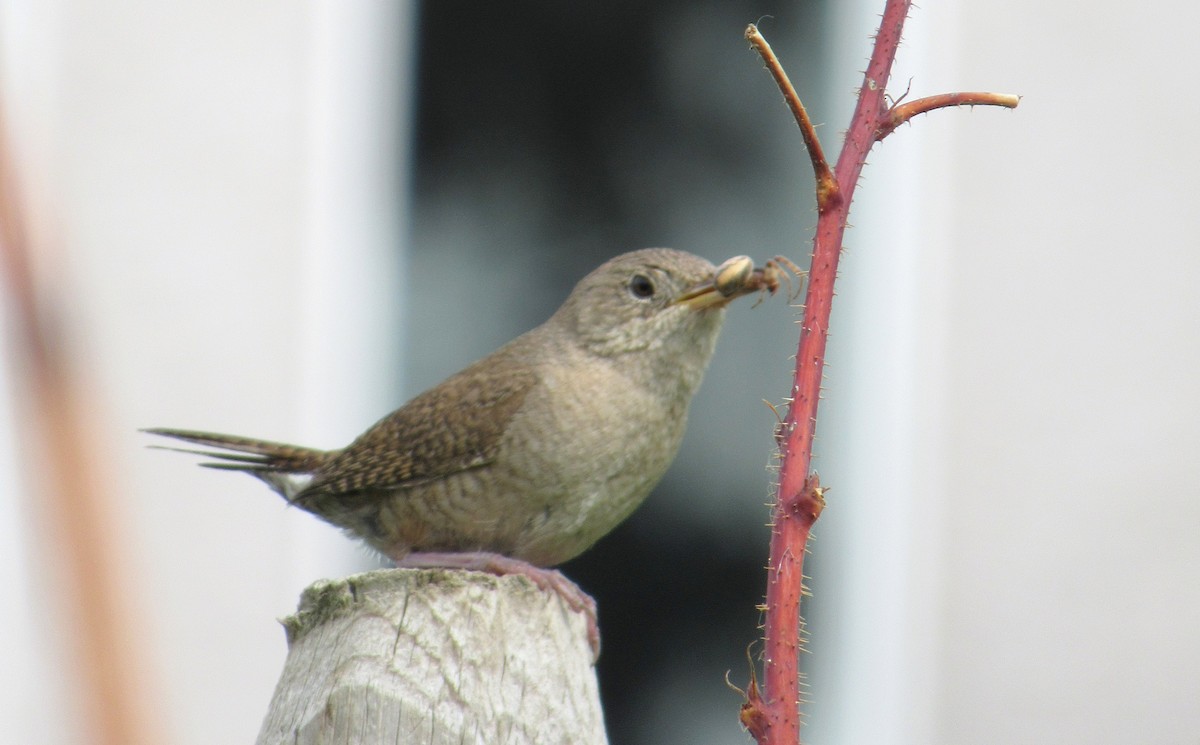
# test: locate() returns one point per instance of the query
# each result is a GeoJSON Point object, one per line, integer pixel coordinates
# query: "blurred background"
{"type": "Point", "coordinates": [283, 219]}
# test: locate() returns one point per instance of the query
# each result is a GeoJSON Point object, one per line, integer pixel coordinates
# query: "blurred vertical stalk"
{"type": "Point", "coordinates": [75, 501]}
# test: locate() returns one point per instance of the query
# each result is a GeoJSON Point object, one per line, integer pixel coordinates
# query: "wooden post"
{"type": "Point", "coordinates": [432, 656]}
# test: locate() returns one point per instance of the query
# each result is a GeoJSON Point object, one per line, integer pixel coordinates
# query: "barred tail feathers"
{"type": "Point", "coordinates": [283, 467]}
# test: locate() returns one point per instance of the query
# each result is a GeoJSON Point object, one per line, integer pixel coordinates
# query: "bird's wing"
{"type": "Point", "coordinates": [454, 427]}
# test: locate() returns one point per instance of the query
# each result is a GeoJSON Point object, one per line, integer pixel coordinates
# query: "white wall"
{"type": "Point", "coordinates": [222, 180]}
{"type": "Point", "coordinates": [1011, 548]}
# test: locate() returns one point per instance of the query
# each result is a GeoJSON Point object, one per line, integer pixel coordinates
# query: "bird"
{"type": "Point", "coordinates": [527, 457]}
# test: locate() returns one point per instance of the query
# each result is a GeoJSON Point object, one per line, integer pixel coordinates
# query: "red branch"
{"type": "Point", "coordinates": [827, 188]}
{"type": "Point", "coordinates": [772, 713]}
{"type": "Point", "coordinates": [901, 113]}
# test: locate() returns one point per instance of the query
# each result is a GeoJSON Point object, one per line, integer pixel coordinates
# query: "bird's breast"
{"type": "Point", "coordinates": [586, 451]}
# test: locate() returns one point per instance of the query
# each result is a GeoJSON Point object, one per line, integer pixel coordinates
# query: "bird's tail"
{"type": "Point", "coordinates": [273, 462]}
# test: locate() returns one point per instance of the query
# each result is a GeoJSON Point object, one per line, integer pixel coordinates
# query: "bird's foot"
{"type": "Point", "coordinates": [545, 579]}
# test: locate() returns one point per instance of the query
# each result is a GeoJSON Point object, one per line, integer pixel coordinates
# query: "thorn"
{"type": "Point", "coordinates": [774, 411]}
{"type": "Point", "coordinates": [732, 687]}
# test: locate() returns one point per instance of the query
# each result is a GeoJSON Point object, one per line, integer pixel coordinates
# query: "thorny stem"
{"type": "Point", "coordinates": [771, 713]}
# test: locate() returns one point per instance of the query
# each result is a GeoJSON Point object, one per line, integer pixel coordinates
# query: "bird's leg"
{"type": "Point", "coordinates": [545, 579]}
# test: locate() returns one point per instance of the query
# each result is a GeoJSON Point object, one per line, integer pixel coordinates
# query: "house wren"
{"type": "Point", "coordinates": [528, 456]}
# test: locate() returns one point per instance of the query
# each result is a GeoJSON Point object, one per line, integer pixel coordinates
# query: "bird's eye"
{"type": "Point", "coordinates": [640, 286]}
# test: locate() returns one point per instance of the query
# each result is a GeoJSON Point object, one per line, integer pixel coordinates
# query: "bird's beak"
{"type": "Point", "coordinates": [734, 278]}
{"type": "Point", "coordinates": [701, 296]}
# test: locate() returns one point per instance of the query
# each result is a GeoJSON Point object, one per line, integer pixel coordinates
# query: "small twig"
{"type": "Point", "coordinates": [827, 188]}
{"type": "Point", "coordinates": [900, 113]}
